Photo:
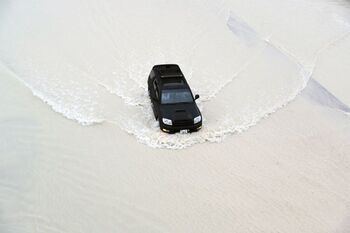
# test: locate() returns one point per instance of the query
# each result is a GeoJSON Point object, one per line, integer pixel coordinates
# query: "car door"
{"type": "Point", "coordinates": [155, 98]}
{"type": "Point", "coordinates": [151, 78]}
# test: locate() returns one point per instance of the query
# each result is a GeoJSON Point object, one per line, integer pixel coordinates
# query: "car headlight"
{"type": "Point", "coordinates": [167, 121]}
{"type": "Point", "coordinates": [197, 119]}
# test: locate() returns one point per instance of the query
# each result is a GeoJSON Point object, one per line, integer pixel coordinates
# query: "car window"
{"type": "Point", "coordinates": [157, 93]}
{"type": "Point", "coordinates": [156, 90]}
{"type": "Point", "coordinates": [152, 75]}
{"type": "Point", "coordinates": [173, 96]}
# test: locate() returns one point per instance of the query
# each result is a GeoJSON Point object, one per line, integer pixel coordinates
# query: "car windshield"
{"type": "Point", "coordinates": [173, 96]}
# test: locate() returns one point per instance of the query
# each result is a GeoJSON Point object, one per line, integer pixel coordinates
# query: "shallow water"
{"type": "Point", "coordinates": [89, 60]}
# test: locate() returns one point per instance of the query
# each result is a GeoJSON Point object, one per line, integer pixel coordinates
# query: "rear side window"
{"type": "Point", "coordinates": [156, 89]}
{"type": "Point", "coordinates": [152, 75]}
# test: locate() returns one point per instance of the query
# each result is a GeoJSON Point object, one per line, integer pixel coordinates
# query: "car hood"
{"type": "Point", "coordinates": [186, 111]}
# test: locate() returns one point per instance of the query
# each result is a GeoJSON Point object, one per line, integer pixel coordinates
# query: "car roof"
{"type": "Point", "coordinates": [170, 76]}
{"type": "Point", "coordinates": [168, 71]}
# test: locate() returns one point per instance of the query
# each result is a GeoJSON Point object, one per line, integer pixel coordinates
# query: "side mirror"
{"type": "Point", "coordinates": [196, 97]}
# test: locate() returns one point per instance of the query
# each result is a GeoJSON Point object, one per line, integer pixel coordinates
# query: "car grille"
{"type": "Point", "coordinates": [183, 122]}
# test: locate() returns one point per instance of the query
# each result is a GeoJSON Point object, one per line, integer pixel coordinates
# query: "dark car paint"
{"type": "Point", "coordinates": [181, 114]}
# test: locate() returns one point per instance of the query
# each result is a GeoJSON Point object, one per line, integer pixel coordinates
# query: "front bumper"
{"type": "Point", "coordinates": [174, 129]}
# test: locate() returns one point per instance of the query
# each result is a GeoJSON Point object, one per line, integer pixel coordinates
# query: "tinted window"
{"type": "Point", "coordinates": [157, 93]}
{"type": "Point", "coordinates": [173, 96]}
{"type": "Point", "coordinates": [152, 75]}
{"type": "Point", "coordinates": [156, 90]}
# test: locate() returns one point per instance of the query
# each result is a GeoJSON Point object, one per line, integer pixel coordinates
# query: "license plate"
{"type": "Point", "coordinates": [184, 131]}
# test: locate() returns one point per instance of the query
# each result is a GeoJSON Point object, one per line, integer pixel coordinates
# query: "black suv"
{"type": "Point", "coordinates": [173, 103]}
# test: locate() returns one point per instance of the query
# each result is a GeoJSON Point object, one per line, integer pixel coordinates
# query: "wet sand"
{"type": "Point", "coordinates": [290, 173]}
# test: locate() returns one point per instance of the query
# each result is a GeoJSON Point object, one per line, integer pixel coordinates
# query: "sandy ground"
{"type": "Point", "coordinates": [289, 173]}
